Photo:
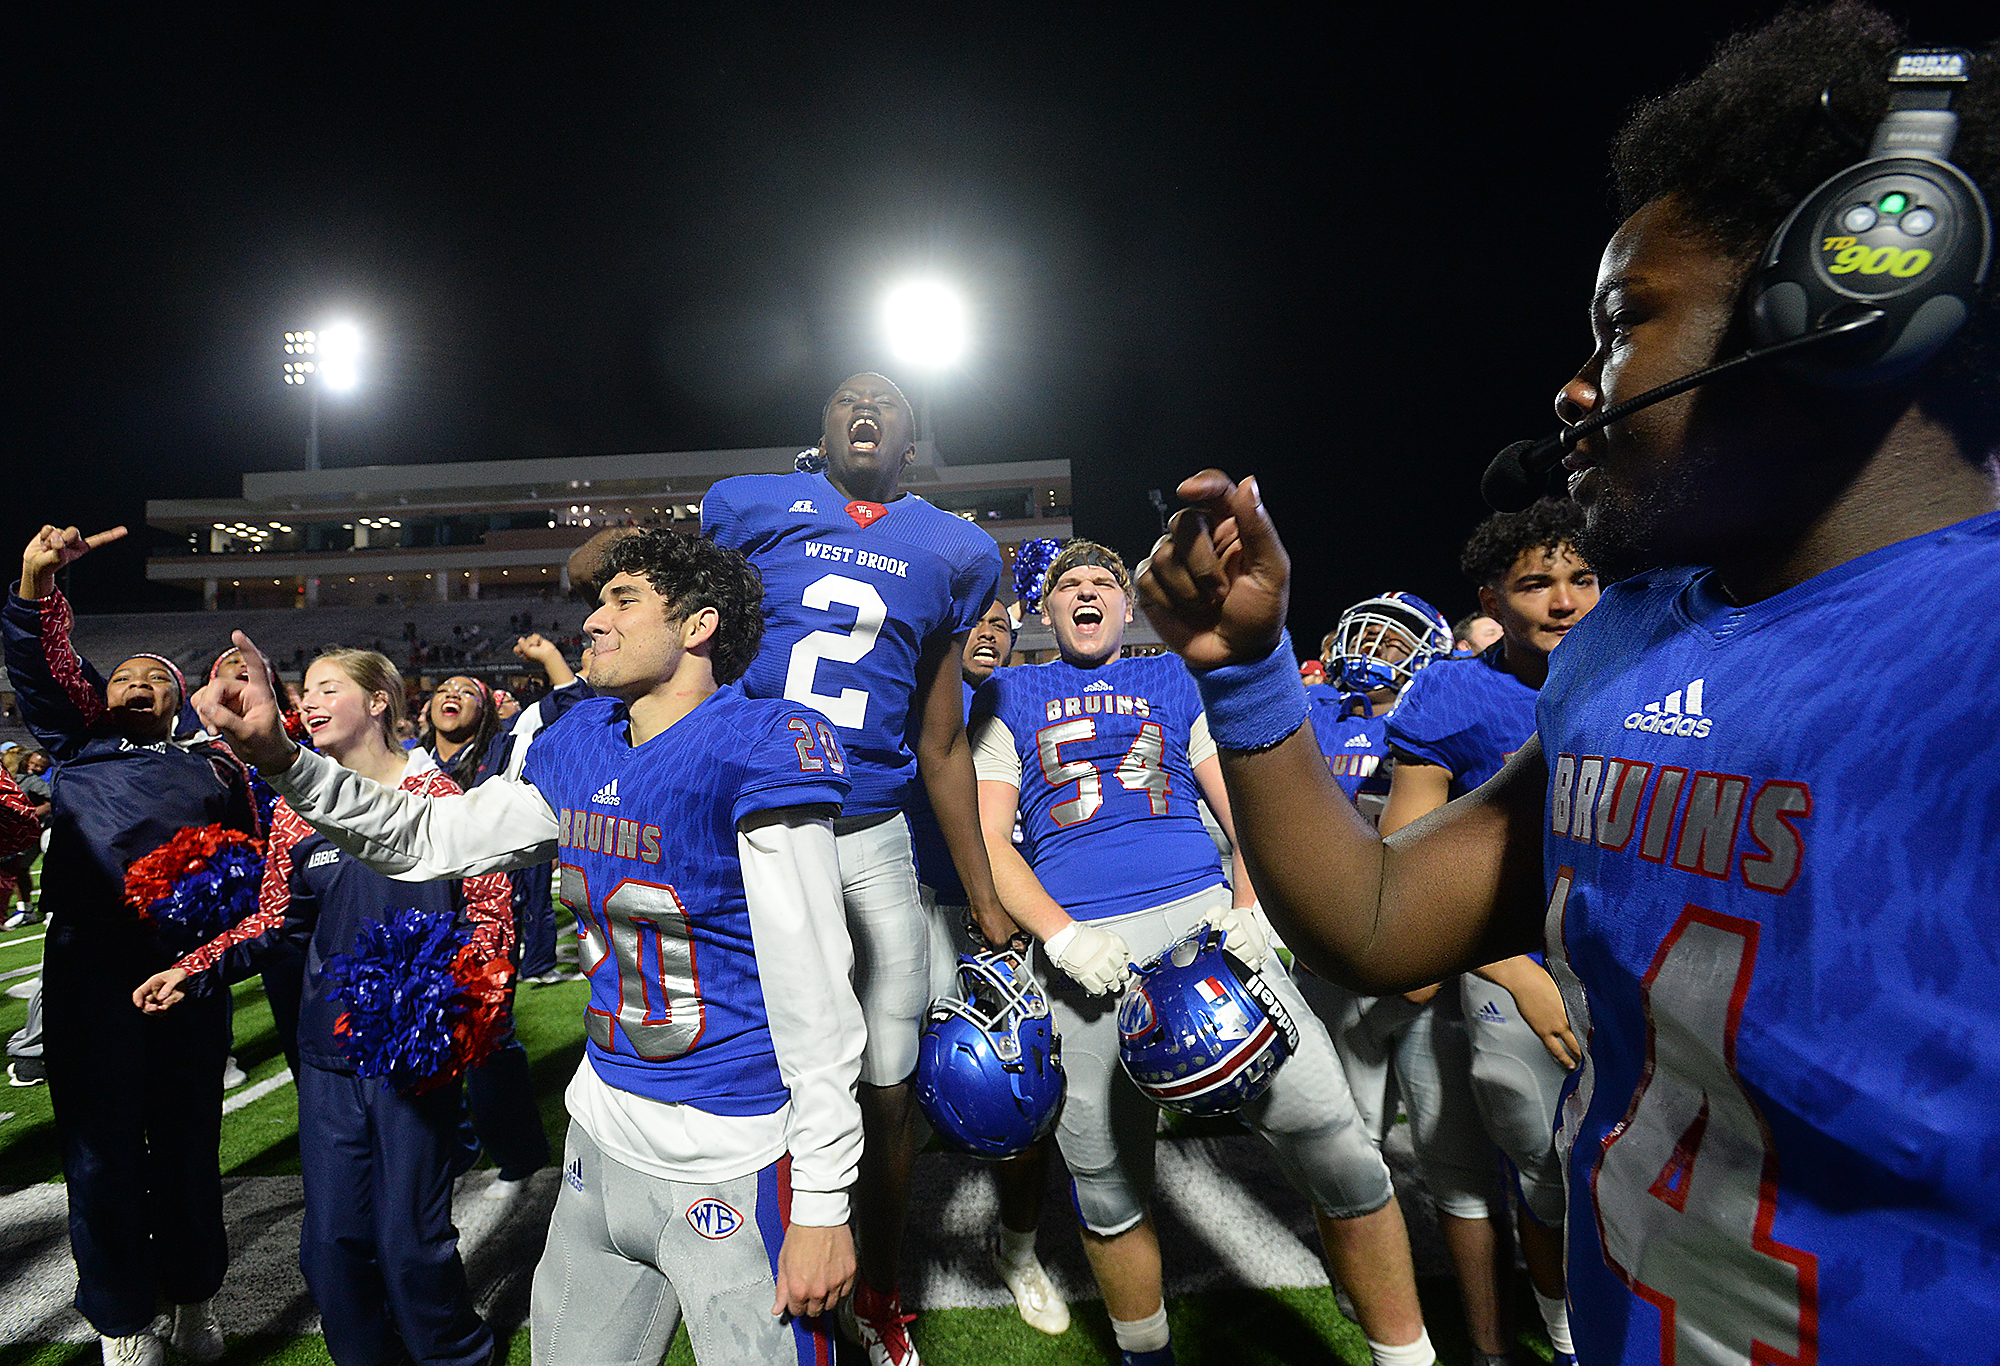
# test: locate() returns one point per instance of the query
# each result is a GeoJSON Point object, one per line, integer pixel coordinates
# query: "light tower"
{"type": "Point", "coordinates": [324, 359]}
{"type": "Point", "coordinates": [926, 324]}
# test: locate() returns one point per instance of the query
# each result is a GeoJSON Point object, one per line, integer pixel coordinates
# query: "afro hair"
{"type": "Point", "coordinates": [1744, 141]}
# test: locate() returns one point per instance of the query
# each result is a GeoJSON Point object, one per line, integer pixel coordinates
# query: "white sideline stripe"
{"type": "Point", "coordinates": [251, 1094]}
{"type": "Point", "coordinates": [28, 971]}
{"type": "Point", "coordinates": [24, 939]}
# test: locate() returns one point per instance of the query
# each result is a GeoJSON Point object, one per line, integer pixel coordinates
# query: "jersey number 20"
{"type": "Point", "coordinates": [640, 932]}
{"type": "Point", "coordinates": [1143, 769]}
{"type": "Point", "coordinates": [849, 707]}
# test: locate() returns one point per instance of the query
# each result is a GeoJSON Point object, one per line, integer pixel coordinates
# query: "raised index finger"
{"type": "Point", "coordinates": [116, 533]}
{"type": "Point", "coordinates": [253, 661]}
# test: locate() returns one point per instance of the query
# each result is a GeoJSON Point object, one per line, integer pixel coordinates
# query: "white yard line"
{"type": "Point", "coordinates": [251, 1094]}
{"type": "Point", "coordinates": [28, 971]}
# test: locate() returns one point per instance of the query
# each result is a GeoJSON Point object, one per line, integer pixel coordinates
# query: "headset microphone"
{"type": "Point", "coordinates": [1517, 476]}
{"type": "Point", "coordinates": [1886, 255]}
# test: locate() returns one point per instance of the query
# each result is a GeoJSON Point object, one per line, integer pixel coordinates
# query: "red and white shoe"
{"type": "Point", "coordinates": [877, 1323]}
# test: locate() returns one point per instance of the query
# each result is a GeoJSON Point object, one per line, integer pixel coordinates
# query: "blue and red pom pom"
{"type": "Point", "coordinates": [197, 884]}
{"type": "Point", "coordinates": [423, 1006]}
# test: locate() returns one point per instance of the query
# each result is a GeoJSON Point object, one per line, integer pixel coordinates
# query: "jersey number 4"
{"type": "Point", "coordinates": [848, 708]}
{"type": "Point", "coordinates": [1143, 769]}
{"type": "Point", "coordinates": [1686, 1188]}
{"type": "Point", "coordinates": [640, 934]}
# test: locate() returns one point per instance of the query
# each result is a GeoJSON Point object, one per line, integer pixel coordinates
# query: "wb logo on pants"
{"type": "Point", "coordinates": [713, 1219]}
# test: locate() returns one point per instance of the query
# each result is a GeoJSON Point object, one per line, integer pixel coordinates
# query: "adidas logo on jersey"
{"type": "Point", "coordinates": [323, 857]}
{"type": "Point", "coordinates": [1357, 742]}
{"type": "Point", "coordinates": [606, 795]}
{"type": "Point", "coordinates": [1679, 714]}
{"type": "Point", "coordinates": [1491, 1013]}
{"type": "Point", "coordinates": [1099, 686]}
{"type": "Point", "coordinates": [574, 1174]}
{"type": "Point", "coordinates": [805, 505]}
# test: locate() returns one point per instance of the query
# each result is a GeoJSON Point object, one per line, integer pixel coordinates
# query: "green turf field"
{"type": "Point", "coordinates": [1215, 1323]}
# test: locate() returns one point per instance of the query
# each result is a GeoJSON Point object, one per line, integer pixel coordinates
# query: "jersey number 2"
{"type": "Point", "coordinates": [1686, 1188]}
{"type": "Point", "coordinates": [848, 708]}
{"type": "Point", "coordinates": [642, 931]}
{"type": "Point", "coordinates": [1143, 769]}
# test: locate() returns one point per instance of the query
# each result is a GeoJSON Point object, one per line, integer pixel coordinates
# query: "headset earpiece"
{"type": "Point", "coordinates": [1903, 231]}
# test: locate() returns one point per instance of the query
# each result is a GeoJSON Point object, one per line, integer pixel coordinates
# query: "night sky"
{"type": "Point", "coordinates": [1352, 257]}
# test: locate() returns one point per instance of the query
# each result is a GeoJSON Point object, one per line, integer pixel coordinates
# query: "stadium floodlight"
{"type": "Point", "coordinates": [926, 324]}
{"type": "Point", "coordinates": [339, 353]}
{"type": "Point", "coordinates": [322, 358]}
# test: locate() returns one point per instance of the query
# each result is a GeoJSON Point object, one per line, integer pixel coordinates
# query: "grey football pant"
{"type": "Point", "coordinates": [1106, 1133]}
{"type": "Point", "coordinates": [1394, 1051]}
{"type": "Point", "coordinates": [630, 1255]}
{"type": "Point", "coordinates": [1517, 1085]}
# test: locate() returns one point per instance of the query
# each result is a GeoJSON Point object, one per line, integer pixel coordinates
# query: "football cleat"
{"type": "Point", "coordinates": [1041, 1305]}
{"type": "Point", "coordinates": [877, 1324]}
{"type": "Point", "coordinates": [989, 1066]}
{"type": "Point", "coordinates": [1382, 641]}
{"type": "Point", "coordinates": [1199, 1032]}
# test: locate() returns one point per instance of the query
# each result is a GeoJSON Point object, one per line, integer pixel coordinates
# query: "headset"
{"type": "Point", "coordinates": [1864, 282]}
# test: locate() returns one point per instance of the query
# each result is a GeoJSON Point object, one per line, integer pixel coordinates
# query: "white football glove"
{"type": "Point", "coordinates": [1246, 933]}
{"type": "Point", "coordinates": [1097, 960]}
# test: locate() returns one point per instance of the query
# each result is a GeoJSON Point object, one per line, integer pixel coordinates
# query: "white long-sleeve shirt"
{"type": "Point", "coordinates": [791, 881]}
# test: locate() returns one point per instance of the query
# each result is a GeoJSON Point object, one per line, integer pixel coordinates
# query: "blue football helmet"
{"type": "Point", "coordinates": [989, 1065]}
{"type": "Point", "coordinates": [1201, 1033]}
{"type": "Point", "coordinates": [1360, 641]}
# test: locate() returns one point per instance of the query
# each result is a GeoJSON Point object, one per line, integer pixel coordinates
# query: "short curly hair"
{"type": "Point", "coordinates": [1744, 141]}
{"type": "Point", "coordinates": [1501, 539]}
{"type": "Point", "coordinates": [693, 572]}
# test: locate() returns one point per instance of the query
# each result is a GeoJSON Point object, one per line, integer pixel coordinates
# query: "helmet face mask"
{"type": "Point", "coordinates": [1384, 640]}
{"type": "Point", "coordinates": [989, 1066]}
{"type": "Point", "coordinates": [1199, 1032]}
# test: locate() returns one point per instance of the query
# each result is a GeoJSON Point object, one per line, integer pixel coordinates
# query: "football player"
{"type": "Point", "coordinates": [1773, 933]}
{"type": "Point", "coordinates": [1455, 728]}
{"type": "Point", "coordinates": [1021, 1179]}
{"type": "Point", "coordinates": [1101, 757]}
{"type": "Point", "coordinates": [714, 1132]}
{"type": "Point", "coordinates": [1410, 1047]}
{"type": "Point", "coordinates": [869, 595]}
{"type": "Point", "coordinates": [1370, 656]}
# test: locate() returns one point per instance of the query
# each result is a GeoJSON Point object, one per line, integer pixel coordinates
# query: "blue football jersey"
{"type": "Point", "coordinates": [1464, 715]}
{"type": "Point", "coordinates": [1108, 797]}
{"type": "Point", "coordinates": [1774, 884]}
{"type": "Point", "coordinates": [1355, 742]}
{"type": "Point", "coordinates": [650, 870]}
{"type": "Point", "coordinates": [852, 591]}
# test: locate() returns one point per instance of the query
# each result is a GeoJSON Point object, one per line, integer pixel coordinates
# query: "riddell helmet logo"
{"type": "Point", "coordinates": [1679, 714]}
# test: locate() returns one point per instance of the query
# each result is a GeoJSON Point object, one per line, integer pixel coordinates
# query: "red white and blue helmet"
{"type": "Point", "coordinates": [989, 1066]}
{"type": "Point", "coordinates": [1199, 1032]}
{"type": "Point", "coordinates": [1365, 627]}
